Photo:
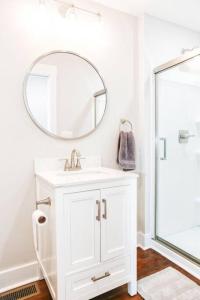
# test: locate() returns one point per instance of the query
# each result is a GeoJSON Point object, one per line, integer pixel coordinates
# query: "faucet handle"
{"type": "Point", "coordinates": [78, 153]}
{"type": "Point", "coordinates": [78, 164]}
{"type": "Point", "coordinates": [67, 165]}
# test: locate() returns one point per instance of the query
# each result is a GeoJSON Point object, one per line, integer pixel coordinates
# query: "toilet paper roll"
{"type": "Point", "coordinates": [38, 219]}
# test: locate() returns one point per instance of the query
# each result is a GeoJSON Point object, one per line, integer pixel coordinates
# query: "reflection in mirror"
{"type": "Point", "coordinates": [65, 95]}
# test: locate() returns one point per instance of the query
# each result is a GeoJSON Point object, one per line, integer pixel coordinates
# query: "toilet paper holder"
{"type": "Point", "coordinates": [46, 201]}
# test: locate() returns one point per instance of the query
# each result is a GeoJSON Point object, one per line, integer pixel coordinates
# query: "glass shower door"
{"type": "Point", "coordinates": [178, 158]}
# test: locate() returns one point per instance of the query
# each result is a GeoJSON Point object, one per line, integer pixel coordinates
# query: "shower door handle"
{"type": "Point", "coordinates": [164, 141]}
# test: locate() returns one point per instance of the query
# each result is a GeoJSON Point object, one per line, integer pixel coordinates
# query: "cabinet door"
{"type": "Point", "coordinates": [82, 229]}
{"type": "Point", "coordinates": [115, 223]}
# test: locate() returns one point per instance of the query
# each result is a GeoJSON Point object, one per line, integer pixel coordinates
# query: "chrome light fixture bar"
{"type": "Point", "coordinates": [72, 6]}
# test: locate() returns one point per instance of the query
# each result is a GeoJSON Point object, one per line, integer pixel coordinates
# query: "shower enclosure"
{"type": "Point", "coordinates": [177, 223]}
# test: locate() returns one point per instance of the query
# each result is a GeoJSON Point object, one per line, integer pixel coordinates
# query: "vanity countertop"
{"type": "Point", "coordinates": [84, 176]}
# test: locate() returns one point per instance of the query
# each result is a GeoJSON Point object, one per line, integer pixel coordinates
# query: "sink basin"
{"type": "Point", "coordinates": [82, 173]}
{"type": "Point", "coordinates": [65, 178]}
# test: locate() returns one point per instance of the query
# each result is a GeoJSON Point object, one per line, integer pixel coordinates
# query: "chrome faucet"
{"type": "Point", "coordinates": [74, 164]}
{"type": "Point", "coordinates": [75, 160]}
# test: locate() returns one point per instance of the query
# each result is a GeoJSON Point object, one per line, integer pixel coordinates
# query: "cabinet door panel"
{"type": "Point", "coordinates": [83, 229]}
{"type": "Point", "coordinates": [115, 222]}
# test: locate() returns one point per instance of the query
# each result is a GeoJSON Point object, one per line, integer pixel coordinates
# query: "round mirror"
{"type": "Point", "coordinates": [65, 95]}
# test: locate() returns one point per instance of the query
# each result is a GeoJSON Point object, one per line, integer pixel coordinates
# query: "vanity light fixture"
{"type": "Point", "coordinates": [69, 10]}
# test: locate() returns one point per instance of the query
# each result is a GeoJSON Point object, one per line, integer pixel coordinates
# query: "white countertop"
{"type": "Point", "coordinates": [84, 176]}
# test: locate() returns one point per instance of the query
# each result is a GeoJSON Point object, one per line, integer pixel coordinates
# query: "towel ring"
{"type": "Point", "coordinates": [124, 121]}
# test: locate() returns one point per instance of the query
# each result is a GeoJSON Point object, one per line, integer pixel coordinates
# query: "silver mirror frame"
{"type": "Point", "coordinates": [26, 100]}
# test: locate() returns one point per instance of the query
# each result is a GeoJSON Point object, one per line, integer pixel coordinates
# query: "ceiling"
{"type": "Point", "coordinates": [182, 12]}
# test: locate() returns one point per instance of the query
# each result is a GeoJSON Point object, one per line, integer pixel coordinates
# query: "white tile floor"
{"type": "Point", "coordinates": [188, 240]}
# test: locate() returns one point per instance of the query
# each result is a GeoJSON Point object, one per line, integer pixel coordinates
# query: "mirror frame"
{"type": "Point", "coordinates": [26, 99]}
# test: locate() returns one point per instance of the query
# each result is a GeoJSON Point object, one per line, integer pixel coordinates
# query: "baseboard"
{"type": "Point", "coordinates": [19, 276]}
{"type": "Point", "coordinates": [143, 240]}
{"type": "Point", "coordinates": [46, 277]}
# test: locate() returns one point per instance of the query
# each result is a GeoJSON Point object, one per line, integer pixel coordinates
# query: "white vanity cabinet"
{"type": "Point", "coordinates": [92, 248]}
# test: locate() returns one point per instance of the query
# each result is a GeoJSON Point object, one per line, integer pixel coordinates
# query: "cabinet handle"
{"type": "Point", "coordinates": [98, 217]}
{"type": "Point", "coordinates": [105, 208]}
{"type": "Point", "coordinates": [164, 140]}
{"type": "Point", "coordinates": [94, 279]}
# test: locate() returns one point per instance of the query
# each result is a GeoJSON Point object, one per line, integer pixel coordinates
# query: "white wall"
{"type": "Point", "coordinates": [25, 35]}
{"type": "Point", "coordinates": [159, 42]}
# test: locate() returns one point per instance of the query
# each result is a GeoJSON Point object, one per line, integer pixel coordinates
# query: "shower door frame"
{"type": "Point", "coordinates": [171, 64]}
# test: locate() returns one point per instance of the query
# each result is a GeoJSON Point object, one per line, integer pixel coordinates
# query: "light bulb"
{"type": "Point", "coordinates": [99, 18]}
{"type": "Point", "coordinates": [42, 3]}
{"type": "Point", "coordinates": [42, 6]}
{"type": "Point", "coordinates": [71, 13]}
{"type": "Point", "coordinates": [67, 11]}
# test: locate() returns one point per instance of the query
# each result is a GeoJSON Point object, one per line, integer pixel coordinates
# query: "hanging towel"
{"type": "Point", "coordinates": [126, 151]}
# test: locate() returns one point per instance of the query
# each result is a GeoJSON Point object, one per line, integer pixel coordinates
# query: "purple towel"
{"type": "Point", "coordinates": [126, 151]}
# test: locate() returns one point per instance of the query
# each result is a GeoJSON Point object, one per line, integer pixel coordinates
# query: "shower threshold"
{"type": "Point", "coordinates": [186, 243]}
{"type": "Point", "coordinates": [187, 262]}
